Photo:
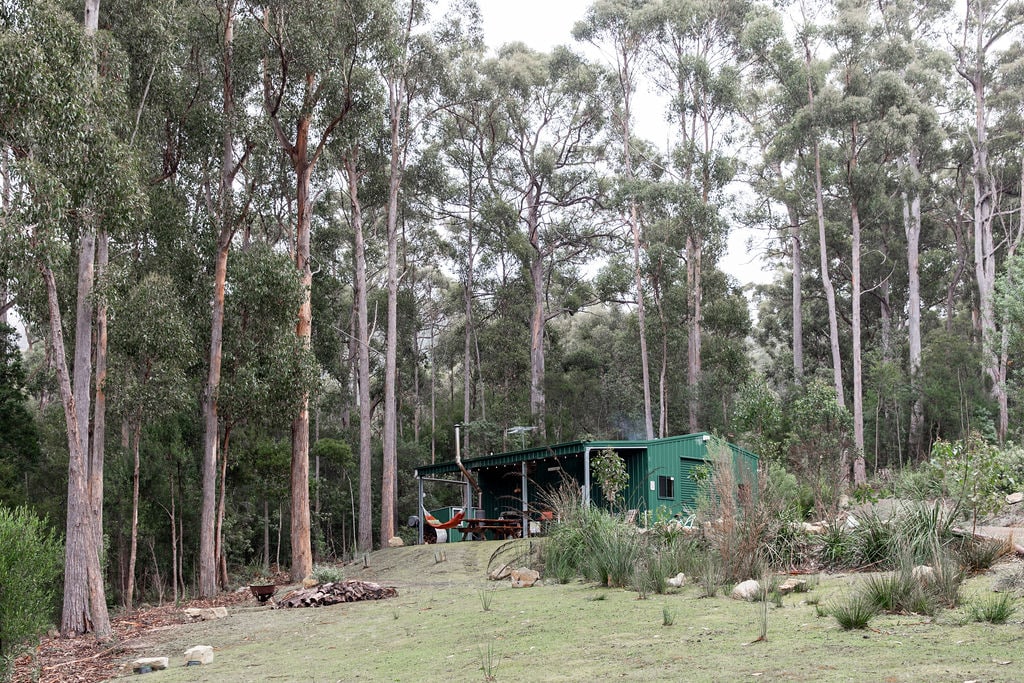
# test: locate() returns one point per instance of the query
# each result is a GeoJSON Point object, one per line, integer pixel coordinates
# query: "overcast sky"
{"type": "Point", "coordinates": [543, 24]}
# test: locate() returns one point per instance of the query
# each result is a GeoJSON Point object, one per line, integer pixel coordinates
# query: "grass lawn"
{"type": "Point", "coordinates": [438, 629]}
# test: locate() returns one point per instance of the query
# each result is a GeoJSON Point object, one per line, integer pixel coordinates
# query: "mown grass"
{"type": "Point", "coordinates": [435, 630]}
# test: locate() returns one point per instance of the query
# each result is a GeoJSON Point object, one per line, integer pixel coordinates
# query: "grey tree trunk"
{"type": "Point", "coordinates": [365, 539]}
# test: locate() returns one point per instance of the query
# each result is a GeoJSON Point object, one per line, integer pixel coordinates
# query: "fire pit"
{"type": "Point", "coordinates": [263, 592]}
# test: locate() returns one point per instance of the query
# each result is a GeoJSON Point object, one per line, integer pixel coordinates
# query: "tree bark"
{"type": "Point", "coordinates": [365, 540]}
{"type": "Point", "coordinates": [912, 229]}
{"type": "Point", "coordinates": [302, 554]}
{"type": "Point", "coordinates": [826, 279]}
{"type": "Point", "coordinates": [134, 543]}
{"type": "Point", "coordinates": [80, 612]}
{"type": "Point", "coordinates": [211, 421]}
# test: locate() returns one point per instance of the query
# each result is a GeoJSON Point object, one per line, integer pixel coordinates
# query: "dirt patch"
{"type": "Point", "coordinates": [86, 659]}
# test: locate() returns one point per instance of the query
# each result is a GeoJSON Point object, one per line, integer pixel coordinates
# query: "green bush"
{"type": "Point", "coordinates": [996, 609]}
{"type": "Point", "coordinates": [856, 612]}
{"type": "Point", "coordinates": [30, 571]}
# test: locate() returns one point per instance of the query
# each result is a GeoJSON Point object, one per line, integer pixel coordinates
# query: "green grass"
{"type": "Point", "coordinates": [435, 630]}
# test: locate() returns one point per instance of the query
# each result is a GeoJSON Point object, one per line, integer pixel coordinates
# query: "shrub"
{"type": "Point", "coordinates": [978, 555]}
{"type": "Point", "coordinates": [30, 570]}
{"type": "Point", "coordinates": [856, 612]}
{"type": "Point", "coordinates": [324, 573]}
{"type": "Point", "coordinates": [995, 609]}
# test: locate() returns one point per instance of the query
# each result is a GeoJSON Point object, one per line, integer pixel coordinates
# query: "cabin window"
{"type": "Point", "coordinates": [667, 487]}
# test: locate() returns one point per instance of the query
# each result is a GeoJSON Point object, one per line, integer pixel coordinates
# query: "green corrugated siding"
{"type": "Point", "coordinates": [686, 485]}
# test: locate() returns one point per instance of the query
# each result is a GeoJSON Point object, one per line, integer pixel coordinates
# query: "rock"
{"type": "Point", "coordinates": [500, 573]}
{"type": "Point", "coordinates": [309, 582]}
{"type": "Point", "coordinates": [395, 542]}
{"type": "Point", "coordinates": [146, 664]}
{"type": "Point", "coordinates": [202, 654]}
{"type": "Point", "coordinates": [524, 578]}
{"type": "Point", "coordinates": [746, 590]}
{"type": "Point", "coordinates": [792, 585]}
{"type": "Point", "coordinates": [206, 613]}
{"type": "Point", "coordinates": [677, 581]}
{"type": "Point", "coordinates": [844, 501]}
{"type": "Point", "coordinates": [923, 572]}
{"type": "Point", "coordinates": [813, 528]}
{"type": "Point", "coordinates": [1015, 498]}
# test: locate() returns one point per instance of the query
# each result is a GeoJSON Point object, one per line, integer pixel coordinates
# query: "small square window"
{"type": "Point", "coordinates": [667, 487]}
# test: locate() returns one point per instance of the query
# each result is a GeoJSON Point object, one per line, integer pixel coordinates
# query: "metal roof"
{"type": "Point", "coordinates": [539, 453]}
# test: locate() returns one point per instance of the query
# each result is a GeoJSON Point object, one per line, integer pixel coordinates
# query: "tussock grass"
{"type": "Point", "coordinates": [994, 609]}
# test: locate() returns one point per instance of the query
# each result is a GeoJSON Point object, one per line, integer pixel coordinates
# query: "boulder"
{"type": "Point", "coordinates": [523, 577]}
{"type": "Point", "coordinates": [146, 664]}
{"type": "Point", "coordinates": [199, 654]}
{"type": "Point", "coordinates": [792, 585]}
{"type": "Point", "coordinates": [677, 581]}
{"type": "Point", "coordinates": [500, 573]}
{"type": "Point", "coordinates": [746, 590]}
{"type": "Point", "coordinates": [1015, 498]}
{"type": "Point", "coordinates": [395, 542]}
{"type": "Point", "coordinates": [206, 613]}
{"type": "Point", "coordinates": [923, 572]}
{"type": "Point", "coordinates": [809, 528]}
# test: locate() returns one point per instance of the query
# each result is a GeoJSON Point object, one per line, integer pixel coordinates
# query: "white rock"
{"type": "Point", "coordinates": [1015, 498]}
{"type": "Point", "coordinates": [154, 663]}
{"type": "Point", "coordinates": [206, 613]}
{"type": "Point", "coordinates": [677, 581]}
{"type": "Point", "coordinates": [923, 572]}
{"type": "Point", "coordinates": [524, 577]}
{"type": "Point", "coordinates": [395, 542]}
{"type": "Point", "coordinates": [790, 585]}
{"type": "Point", "coordinates": [199, 653]}
{"type": "Point", "coordinates": [746, 590]}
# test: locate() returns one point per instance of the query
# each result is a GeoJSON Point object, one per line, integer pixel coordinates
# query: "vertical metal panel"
{"type": "Point", "coordinates": [686, 485]}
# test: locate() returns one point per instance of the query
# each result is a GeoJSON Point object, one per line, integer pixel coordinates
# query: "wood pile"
{"type": "Point", "coordinates": [333, 593]}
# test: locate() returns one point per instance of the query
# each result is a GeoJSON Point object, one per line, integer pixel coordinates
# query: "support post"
{"type": "Point", "coordinates": [526, 507]}
{"type": "Point", "coordinates": [586, 476]}
{"type": "Point", "coordinates": [419, 513]}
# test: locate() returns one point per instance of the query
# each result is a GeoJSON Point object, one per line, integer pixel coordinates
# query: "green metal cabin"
{"type": "Point", "coordinates": [660, 471]}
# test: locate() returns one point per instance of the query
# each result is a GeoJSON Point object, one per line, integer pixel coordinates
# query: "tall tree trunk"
{"type": "Point", "coordinates": [302, 553]}
{"type": "Point", "coordinates": [912, 229]}
{"type": "Point", "coordinates": [826, 279]}
{"type": "Point", "coordinates": [99, 419]}
{"type": "Point", "coordinates": [134, 542]}
{"type": "Point", "coordinates": [211, 421]}
{"type": "Point", "coordinates": [389, 466]}
{"type": "Point", "coordinates": [365, 540]}
{"type": "Point", "coordinates": [859, 468]}
{"type": "Point", "coordinates": [984, 215]}
{"type": "Point", "coordinates": [81, 612]}
{"type": "Point", "coordinates": [693, 295]}
{"type": "Point", "coordinates": [796, 263]}
{"type": "Point", "coordinates": [538, 403]}
{"type": "Point", "coordinates": [220, 556]}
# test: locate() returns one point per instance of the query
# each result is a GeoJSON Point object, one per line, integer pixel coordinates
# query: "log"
{"type": "Point", "coordinates": [336, 592]}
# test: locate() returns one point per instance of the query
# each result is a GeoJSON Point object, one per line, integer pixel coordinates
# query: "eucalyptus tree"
{"type": "Point", "coordinates": [623, 26]}
{"type": "Point", "coordinates": [814, 74]}
{"type": "Point", "coordinates": [985, 24]}
{"type": "Point", "coordinates": [906, 44]}
{"type": "Point", "coordinates": [699, 60]}
{"type": "Point", "coordinates": [553, 107]}
{"type": "Point", "coordinates": [59, 122]}
{"type": "Point", "coordinates": [308, 92]}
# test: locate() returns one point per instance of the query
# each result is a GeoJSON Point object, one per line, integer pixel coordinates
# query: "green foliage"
{"type": "Point", "coordinates": [994, 609]}
{"type": "Point", "coordinates": [31, 561]}
{"type": "Point", "coordinates": [19, 435]}
{"type": "Point", "coordinates": [970, 473]}
{"type": "Point", "coordinates": [980, 554]}
{"type": "Point", "coordinates": [820, 439]}
{"type": "Point", "coordinates": [609, 470]}
{"type": "Point", "coordinates": [853, 613]}
{"type": "Point", "coordinates": [325, 573]}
